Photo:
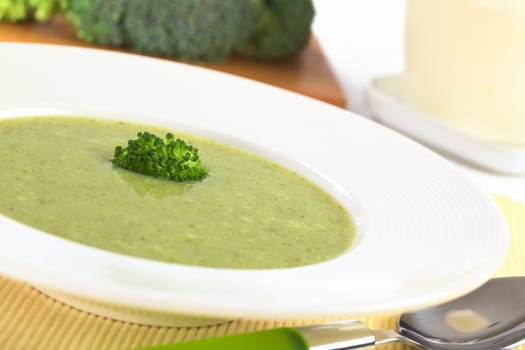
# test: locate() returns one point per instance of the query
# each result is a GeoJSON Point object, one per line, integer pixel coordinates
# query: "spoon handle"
{"type": "Point", "coordinates": [329, 336]}
{"type": "Point", "coordinates": [275, 339]}
{"type": "Point", "coordinates": [387, 336]}
{"type": "Point", "coordinates": [338, 335]}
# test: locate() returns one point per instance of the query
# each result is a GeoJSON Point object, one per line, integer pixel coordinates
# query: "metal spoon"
{"type": "Point", "coordinates": [490, 318]}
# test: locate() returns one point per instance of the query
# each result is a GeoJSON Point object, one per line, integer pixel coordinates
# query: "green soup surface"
{"type": "Point", "coordinates": [56, 175]}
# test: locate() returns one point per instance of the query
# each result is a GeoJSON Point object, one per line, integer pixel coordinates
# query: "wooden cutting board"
{"type": "Point", "coordinates": [307, 72]}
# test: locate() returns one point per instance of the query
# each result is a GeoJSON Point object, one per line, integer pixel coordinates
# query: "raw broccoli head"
{"type": "Point", "coordinates": [150, 155]}
{"type": "Point", "coordinates": [26, 10]}
{"type": "Point", "coordinates": [96, 21]}
{"type": "Point", "coordinates": [203, 30]}
{"type": "Point", "coordinates": [199, 30]}
{"type": "Point", "coordinates": [283, 29]}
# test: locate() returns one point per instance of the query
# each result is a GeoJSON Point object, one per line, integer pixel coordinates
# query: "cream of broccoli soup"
{"type": "Point", "coordinates": [56, 175]}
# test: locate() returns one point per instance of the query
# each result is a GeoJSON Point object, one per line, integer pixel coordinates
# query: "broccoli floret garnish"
{"type": "Point", "coordinates": [26, 10]}
{"type": "Point", "coordinates": [150, 155]}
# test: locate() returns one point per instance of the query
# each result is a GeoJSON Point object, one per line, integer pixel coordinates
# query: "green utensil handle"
{"type": "Point", "coordinates": [273, 339]}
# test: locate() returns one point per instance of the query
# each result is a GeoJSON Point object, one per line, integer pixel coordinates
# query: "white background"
{"type": "Point", "coordinates": [361, 39]}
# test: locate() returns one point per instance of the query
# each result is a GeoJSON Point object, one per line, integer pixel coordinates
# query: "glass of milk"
{"type": "Point", "coordinates": [465, 64]}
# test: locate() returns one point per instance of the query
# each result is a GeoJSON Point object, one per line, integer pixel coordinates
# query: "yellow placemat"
{"type": "Point", "coordinates": [29, 320]}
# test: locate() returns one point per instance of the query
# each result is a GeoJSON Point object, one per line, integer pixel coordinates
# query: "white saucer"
{"type": "Point", "coordinates": [386, 101]}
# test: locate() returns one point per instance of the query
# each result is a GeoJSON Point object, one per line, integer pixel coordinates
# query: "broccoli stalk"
{"type": "Point", "coordinates": [150, 155]}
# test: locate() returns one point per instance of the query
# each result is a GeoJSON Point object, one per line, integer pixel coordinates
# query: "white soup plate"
{"type": "Point", "coordinates": [424, 233]}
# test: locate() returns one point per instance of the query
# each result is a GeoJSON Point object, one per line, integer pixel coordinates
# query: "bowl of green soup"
{"type": "Point", "coordinates": [307, 210]}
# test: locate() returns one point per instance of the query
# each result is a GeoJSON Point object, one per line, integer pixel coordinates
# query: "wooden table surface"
{"type": "Point", "coordinates": [307, 72]}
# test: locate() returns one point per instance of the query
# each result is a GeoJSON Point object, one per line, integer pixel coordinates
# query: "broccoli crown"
{"type": "Point", "coordinates": [198, 30]}
{"type": "Point", "coordinates": [26, 10]}
{"type": "Point", "coordinates": [202, 30]}
{"type": "Point", "coordinates": [283, 29]}
{"type": "Point", "coordinates": [96, 21]}
{"type": "Point", "coordinates": [150, 155]}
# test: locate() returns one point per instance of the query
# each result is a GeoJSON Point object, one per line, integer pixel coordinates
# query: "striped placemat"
{"type": "Point", "coordinates": [29, 320]}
